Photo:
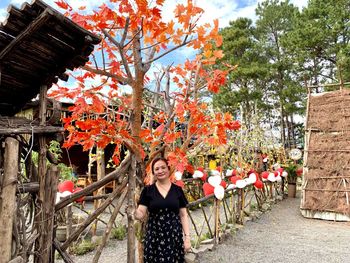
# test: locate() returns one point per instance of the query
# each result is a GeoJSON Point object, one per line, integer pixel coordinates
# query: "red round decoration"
{"type": "Point", "coordinates": [259, 184]}
{"type": "Point", "coordinates": [204, 177]}
{"type": "Point", "coordinates": [234, 173]}
{"type": "Point", "coordinates": [223, 184]}
{"type": "Point", "coordinates": [275, 173]}
{"type": "Point", "coordinates": [208, 189]}
{"type": "Point", "coordinates": [80, 199]}
{"type": "Point", "coordinates": [251, 171]}
{"type": "Point", "coordinates": [280, 170]}
{"type": "Point", "coordinates": [66, 186]}
{"type": "Point", "coordinates": [265, 174]}
{"type": "Point", "coordinates": [234, 179]}
{"type": "Point", "coordinates": [299, 171]}
{"type": "Point", "coordinates": [200, 169]}
{"type": "Point", "coordinates": [180, 183]}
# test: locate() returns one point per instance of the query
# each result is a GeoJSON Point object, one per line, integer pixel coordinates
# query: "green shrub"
{"type": "Point", "coordinates": [119, 232]}
{"type": "Point", "coordinates": [83, 247]}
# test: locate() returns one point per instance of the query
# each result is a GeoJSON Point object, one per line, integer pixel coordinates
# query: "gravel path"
{"type": "Point", "coordinates": [283, 235]}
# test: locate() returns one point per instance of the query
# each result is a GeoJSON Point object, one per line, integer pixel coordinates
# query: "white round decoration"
{"type": "Point", "coordinates": [253, 178]}
{"type": "Point", "coordinates": [241, 184]}
{"type": "Point", "coordinates": [198, 174]}
{"type": "Point", "coordinates": [219, 192]}
{"type": "Point", "coordinates": [231, 186]}
{"type": "Point", "coordinates": [178, 175]}
{"type": "Point", "coordinates": [284, 174]}
{"type": "Point", "coordinates": [271, 177]}
{"type": "Point", "coordinates": [214, 180]}
{"type": "Point", "coordinates": [295, 154]}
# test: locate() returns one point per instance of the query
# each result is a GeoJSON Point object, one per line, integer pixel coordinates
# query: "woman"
{"type": "Point", "coordinates": [167, 236]}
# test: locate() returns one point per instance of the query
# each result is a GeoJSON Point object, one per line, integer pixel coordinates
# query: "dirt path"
{"type": "Point", "coordinates": [282, 235]}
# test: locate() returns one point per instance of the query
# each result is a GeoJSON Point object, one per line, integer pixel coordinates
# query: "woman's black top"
{"type": "Point", "coordinates": [163, 241]}
{"type": "Point", "coordinates": [152, 198]}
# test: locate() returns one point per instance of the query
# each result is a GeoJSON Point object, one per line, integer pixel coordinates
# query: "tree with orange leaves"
{"type": "Point", "coordinates": [134, 36]}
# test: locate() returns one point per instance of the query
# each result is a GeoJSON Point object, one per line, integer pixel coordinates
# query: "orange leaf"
{"type": "Point", "coordinates": [63, 4]}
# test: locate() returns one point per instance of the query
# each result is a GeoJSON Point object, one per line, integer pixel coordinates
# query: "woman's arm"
{"type": "Point", "coordinates": [140, 212]}
{"type": "Point", "coordinates": [185, 228]}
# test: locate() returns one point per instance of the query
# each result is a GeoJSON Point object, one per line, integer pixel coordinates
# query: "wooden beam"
{"type": "Point", "coordinates": [121, 170]}
{"type": "Point", "coordinates": [30, 130]}
{"type": "Point", "coordinates": [37, 23]}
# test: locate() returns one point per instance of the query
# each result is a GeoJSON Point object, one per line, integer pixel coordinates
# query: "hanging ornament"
{"type": "Point", "coordinates": [265, 174]}
{"type": "Point", "coordinates": [66, 186]}
{"type": "Point", "coordinates": [214, 180]}
{"type": "Point", "coordinates": [219, 192]}
{"type": "Point", "coordinates": [231, 186]}
{"type": "Point", "coordinates": [223, 184]}
{"type": "Point", "coordinates": [241, 184]}
{"type": "Point", "coordinates": [253, 177]}
{"type": "Point", "coordinates": [284, 174]}
{"type": "Point", "coordinates": [234, 179]}
{"type": "Point", "coordinates": [229, 173]}
{"type": "Point", "coordinates": [197, 174]}
{"type": "Point", "coordinates": [271, 177]}
{"type": "Point", "coordinates": [208, 189]}
{"type": "Point", "coordinates": [80, 199]}
{"type": "Point", "coordinates": [259, 184]}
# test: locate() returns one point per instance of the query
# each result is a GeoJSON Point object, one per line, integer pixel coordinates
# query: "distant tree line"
{"type": "Point", "coordinates": [285, 50]}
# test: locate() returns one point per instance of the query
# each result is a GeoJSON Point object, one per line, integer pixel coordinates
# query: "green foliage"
{"type": "Point", "coordinates": [119, 232]}
{"type": "Point", "coordinates": [66, 172]}
{"type": "Point", "coordinates": [291, 169]}
{"type": "Point", "coordinates": [83, 247]}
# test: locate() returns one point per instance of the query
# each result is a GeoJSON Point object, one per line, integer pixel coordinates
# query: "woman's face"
{"type": "Point", "coordinates": [161, 170]}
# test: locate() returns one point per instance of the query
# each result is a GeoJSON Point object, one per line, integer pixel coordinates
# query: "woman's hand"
{"type": "Point", "coordinates": [187, 243]}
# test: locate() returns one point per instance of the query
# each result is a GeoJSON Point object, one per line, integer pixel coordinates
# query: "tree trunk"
{"type": "Point", "coordinates": [8, 198]}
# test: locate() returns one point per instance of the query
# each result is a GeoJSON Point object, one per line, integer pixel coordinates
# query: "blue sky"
{"type": "Point", "coordinates": [224, 10]}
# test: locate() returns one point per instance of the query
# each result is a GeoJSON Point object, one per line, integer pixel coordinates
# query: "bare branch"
{"type": "Point", "coordinates": [121, 80]}
{"type": "Point", "coordinates": [184, 43]}
{"type": "Point", "coordinates": [121, 49]}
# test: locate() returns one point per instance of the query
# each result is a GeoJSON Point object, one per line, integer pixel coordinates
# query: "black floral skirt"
{"type": "Point", "coordinates": [164, 241]}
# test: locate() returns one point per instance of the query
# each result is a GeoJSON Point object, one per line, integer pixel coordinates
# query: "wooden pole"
{"type": "Point", "coordinates": [109, 226]}
{"type": "Point", "coordinates": [8, 198]}
{"type": "Point", "coordinates": [217, 220]}
{"type": "Point", "coordinates": [100, 162]}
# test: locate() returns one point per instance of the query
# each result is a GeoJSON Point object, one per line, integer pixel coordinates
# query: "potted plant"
{"type": "Point", "coordinates": [294, 171]}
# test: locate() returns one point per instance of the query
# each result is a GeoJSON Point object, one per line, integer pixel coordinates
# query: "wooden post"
{"type": "Point", "coordinates": [8, 198]}
{"type": "Point", "coordinates": [217, 221]}
{"type": "Point", "coordinates": [100, 162]}
{"type": "Point", "coordinates": [48, 180]}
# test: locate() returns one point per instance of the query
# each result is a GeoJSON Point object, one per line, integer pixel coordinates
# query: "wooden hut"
{"type": "Point", "coordinates": [326, 186]}
{"type": "Point", "coordinates": [37, 46]}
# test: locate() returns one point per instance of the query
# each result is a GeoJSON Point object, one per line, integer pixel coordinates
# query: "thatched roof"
{"type": "Point", "coordinates": [326, 186]}
{"type": "Point", "coordinates": [37, 46]}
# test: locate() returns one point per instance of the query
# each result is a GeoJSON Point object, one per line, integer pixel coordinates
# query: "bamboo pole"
{"type": "Point", "coordinates": [8, 198]}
